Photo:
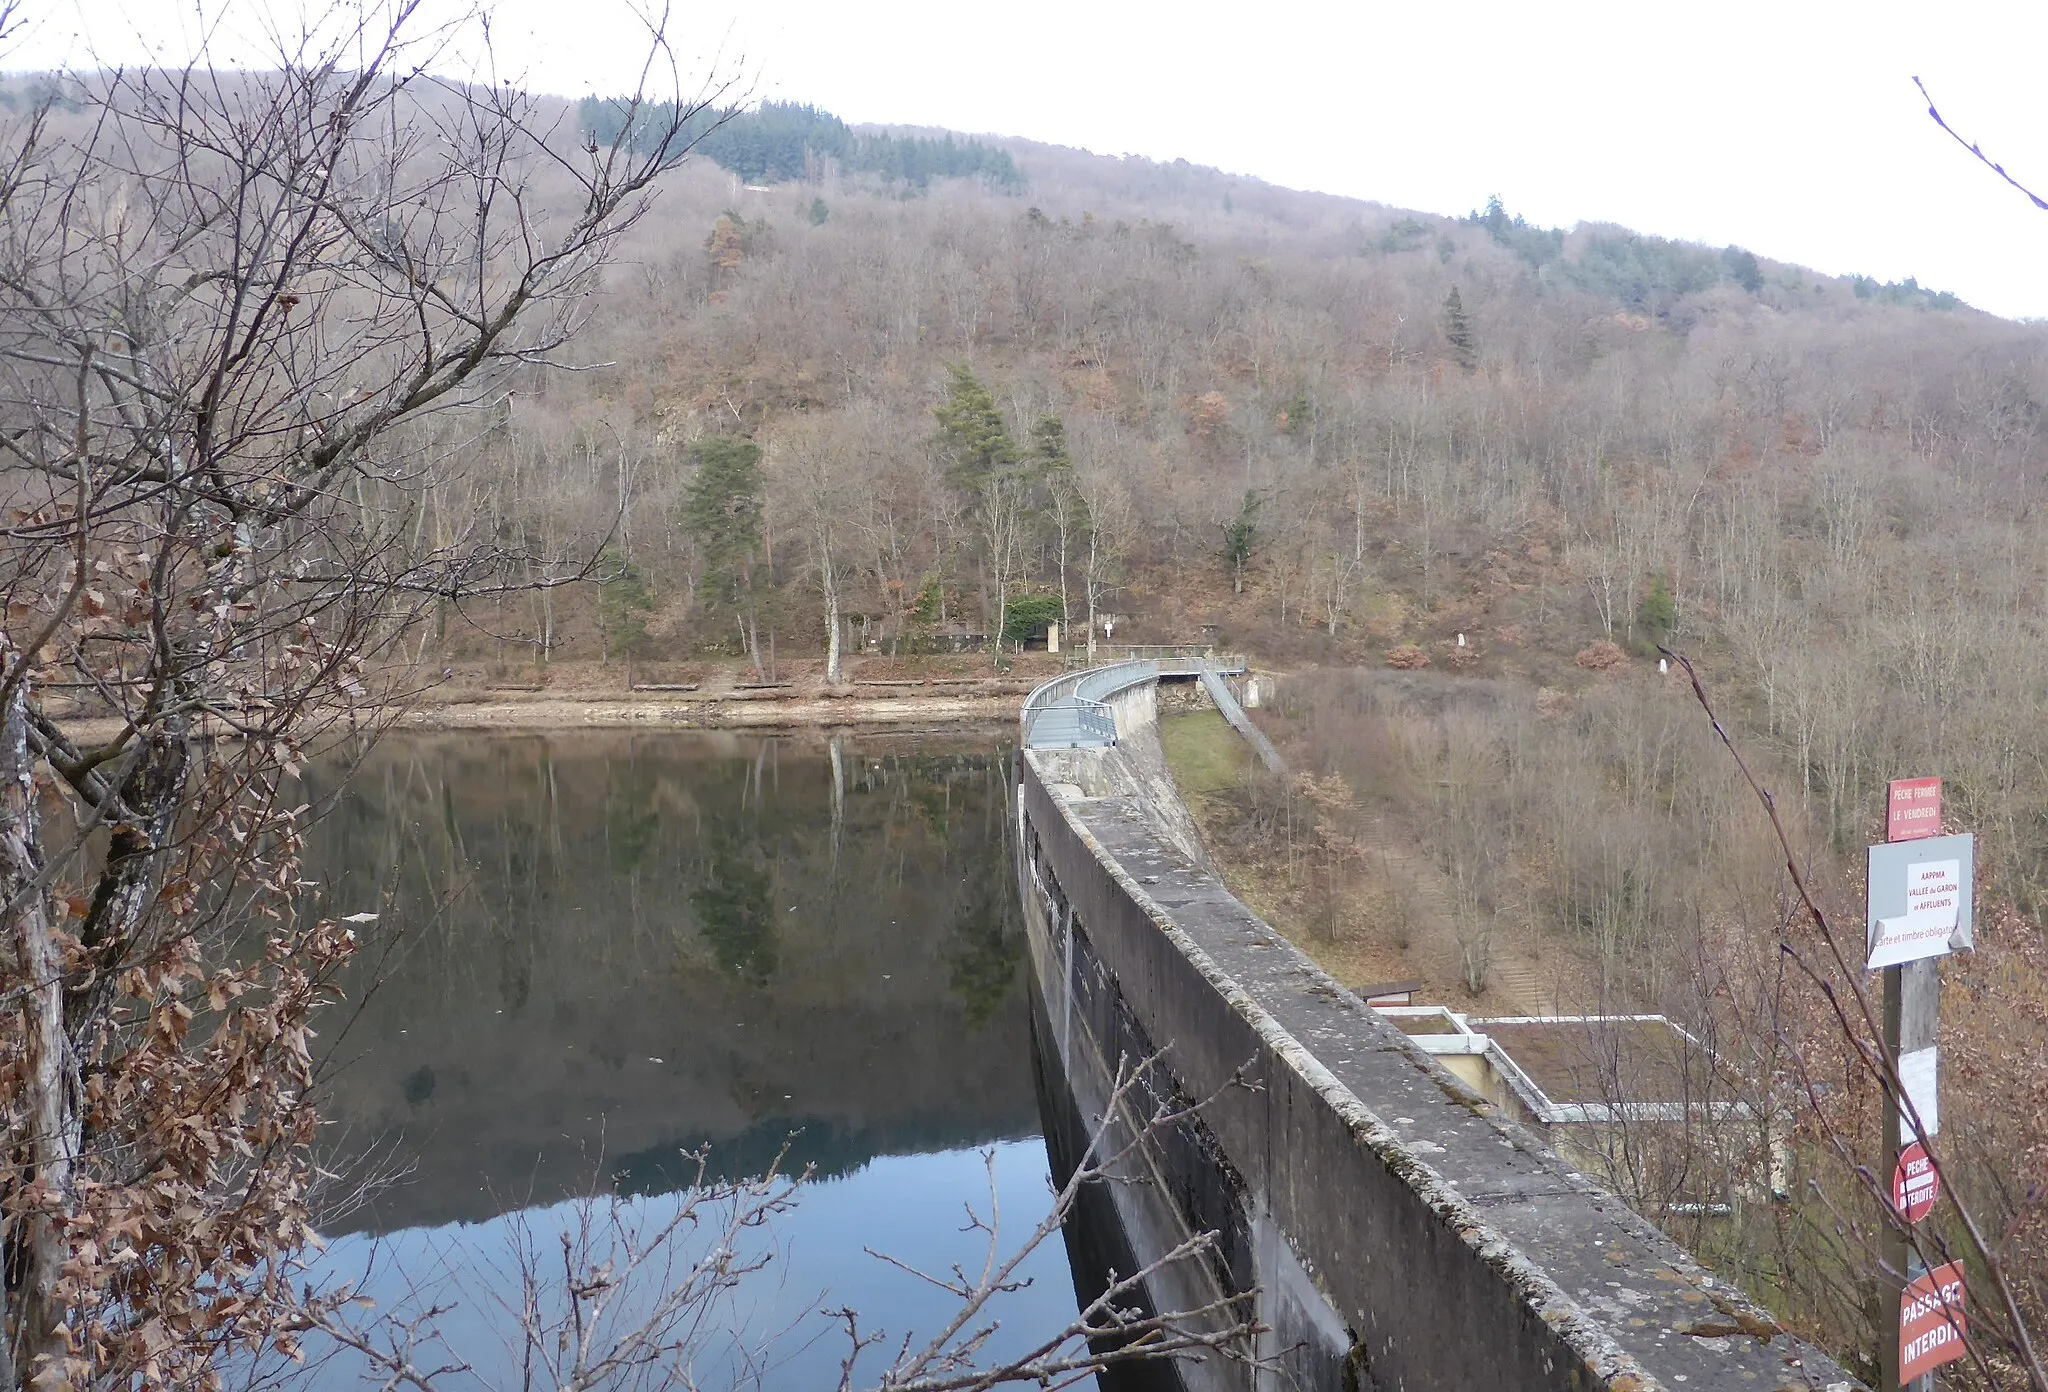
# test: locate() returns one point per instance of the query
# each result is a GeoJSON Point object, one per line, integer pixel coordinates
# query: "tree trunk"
{"type": "Point", "coordinates": [832, 631]}
{"type": "Point", "coordinates": [47, 1146]}
{"type": "Point", "coordinates": [1066, 618]}
{"type": "Point", "coordinates": [750, 630]}
{"type": "Point", "coordinates": [1002, 611]}
{"type": "Point", "coordinates": [126, 887]}
{"type": "Point", "coordinates": [1089, 587]}
{"type": "Point", "coordinates": [838, 801]}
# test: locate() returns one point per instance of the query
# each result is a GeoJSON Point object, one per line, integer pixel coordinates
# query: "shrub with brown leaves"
{"type": "Point", "coordinates": [1603, 656]}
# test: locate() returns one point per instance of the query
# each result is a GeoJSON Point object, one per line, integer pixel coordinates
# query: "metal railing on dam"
{"type": "Point", "coordinates": [1393, 1229]}
{"type": "Point", "coordinates": [1074, 711]}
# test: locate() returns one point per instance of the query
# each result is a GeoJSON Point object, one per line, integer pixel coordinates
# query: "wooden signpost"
{"type": "Point", "coordinates": [1921, 892]}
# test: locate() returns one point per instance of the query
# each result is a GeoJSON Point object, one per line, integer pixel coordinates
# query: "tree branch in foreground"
{"type": "Point", "coordinates": [1863, 1034]}
{"type": "Point", "coordinates": [1993, 165]}
{"type": "Point", "coordinates": [629, 1301]}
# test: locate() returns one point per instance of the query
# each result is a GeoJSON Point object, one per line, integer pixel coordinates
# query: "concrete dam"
{"type": "Point", "coordinates": [1387, 1224]}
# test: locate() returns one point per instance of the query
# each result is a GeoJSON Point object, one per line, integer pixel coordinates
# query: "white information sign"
{"type": "Point", "coordinates": [1919, 1073]}
{"type": "Point", "coordinates": [1933, 898]}
{"type": "Point", "coordinates": [1919, 899]}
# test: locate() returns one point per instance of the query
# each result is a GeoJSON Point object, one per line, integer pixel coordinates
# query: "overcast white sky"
{"type": "Point", "coordinates": [1789, 127]}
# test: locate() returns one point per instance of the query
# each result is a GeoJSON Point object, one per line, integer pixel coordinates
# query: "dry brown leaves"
{"type": "Point", "coordinates": [1603, 656]}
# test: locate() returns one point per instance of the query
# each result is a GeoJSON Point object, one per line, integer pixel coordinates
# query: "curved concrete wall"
{"type": "Point", "coordinates": [1400, 1233]}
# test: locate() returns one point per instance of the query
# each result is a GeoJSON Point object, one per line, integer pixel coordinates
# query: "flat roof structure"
{"type": "Point", "coordinates": [1602, 1068]}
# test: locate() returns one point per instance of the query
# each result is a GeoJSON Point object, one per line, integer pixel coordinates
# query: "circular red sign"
{"type": "Point", "coordinates": [1916, 1184]}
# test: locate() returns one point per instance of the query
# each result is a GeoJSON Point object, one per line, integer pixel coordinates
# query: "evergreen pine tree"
{"type": "Point", "coordinates": [1659, 610]}
{"type": "Point", "coordinates": [1066, 507]}
{"type": "Point", "coordinates": [623, 598]}
{"type": "Point", "coordinates": [1240, 537]}
{"type": "Point", "coordinates": [722, 505]}
{"type": "Point", "coordinates": [722, 514]}
{"type": "Point", "coordinates": [972, 436]}
{"type": "Point", "coordinates": [1049, 444]}
{"type": "Point", "coordinates": [1458, 332]}
{"type": "Point", "coordinates": [1495, 220]}
{"type": "Point", "coordinates": [1743, 268]}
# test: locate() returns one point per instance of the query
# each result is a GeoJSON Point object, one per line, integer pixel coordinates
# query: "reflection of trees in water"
{"type": "Point", "coordinates": [733, 913]}
{"type": "Point", "coordinates": [939, 795]}
{"type": "Point", "coordinates": [987, 938]}
{"type": "Point", "coordinates": [988, 934]}
{"type": "Point", "coordinates": [631, 822]}
{"type": "Point", "coordinates": [934, 804]}
{"type": "Point", "coordinates": [515, 973]}
{"type": "Point", "coordinates": [822, 1146]}
{"type": "Point", "coordinates": [496, 855]}
{"type": "Point", "coordinates": [493, 852]}
{"type": "Point", "coordinates": [594, 944]}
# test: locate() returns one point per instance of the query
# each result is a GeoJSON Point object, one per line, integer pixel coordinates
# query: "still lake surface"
{"type": "Point", "coordinates": [600, 953]}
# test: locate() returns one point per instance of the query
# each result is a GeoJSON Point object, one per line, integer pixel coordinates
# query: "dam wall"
{"type": "Point", "coordinates": [1387, 1225]}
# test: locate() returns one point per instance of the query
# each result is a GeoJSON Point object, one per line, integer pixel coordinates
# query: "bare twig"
{"type": "Point", "coordinates": [1975, 151]}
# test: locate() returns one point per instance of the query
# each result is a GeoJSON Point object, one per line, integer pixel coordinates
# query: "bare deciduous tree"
{"type": "Point", "coordinates": [1000, 523]}
{"type": "Point", "coordinates": [225, 299]}
{"type": "Point", "coordinates": [815, 467]}
{"type": "Point", "coordinates": [1111, 533]}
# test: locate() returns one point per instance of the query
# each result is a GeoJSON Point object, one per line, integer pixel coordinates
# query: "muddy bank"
{"type": "Point", "coordinates": [899, 693]}
{"type": "Point", "coordinates": [641, 711]}
{"type": "Point", "coordinates": [929, 690]}
{"type": "Point", "coordinates": [649, 713]}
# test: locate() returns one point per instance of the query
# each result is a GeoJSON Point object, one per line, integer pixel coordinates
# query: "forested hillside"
{"type": "Point", "coordinates": [1325, 430]}
{"type": "Point", "coordinates": [1328, 430]}
{"type": "Point", "coordinates": [776, 142]}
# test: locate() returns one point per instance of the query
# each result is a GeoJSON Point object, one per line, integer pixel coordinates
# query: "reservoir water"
{"type": "Point", "coordinates": [601, 956]}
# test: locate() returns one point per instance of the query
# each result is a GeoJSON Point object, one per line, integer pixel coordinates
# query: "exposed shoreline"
{"type": "Point", "coordinates": [948, 692]}
{"type": "Point", "coordinates": [642, 712]}
{"type": "Point", "coordinates": [878, 693]}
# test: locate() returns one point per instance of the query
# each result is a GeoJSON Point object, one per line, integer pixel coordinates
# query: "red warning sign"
{"type": "Point", "coordinates": [1916, 1184]}
{"type": "Point", "coordinates": [1931, 1322]}
{"type": "Point", "coordinates": [1913, 810]}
